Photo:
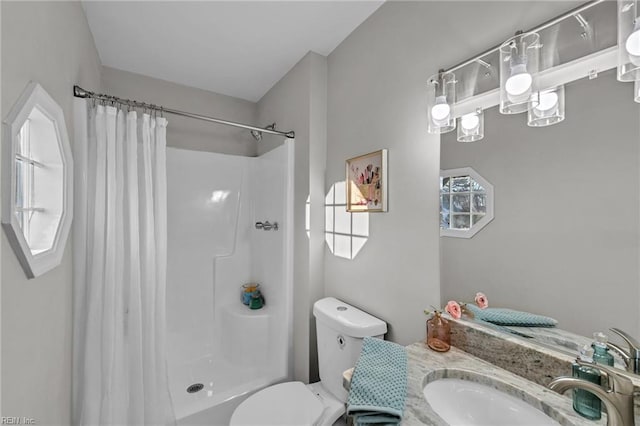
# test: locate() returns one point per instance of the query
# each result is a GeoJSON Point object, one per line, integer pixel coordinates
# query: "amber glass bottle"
{"type": "Point", "coordinates": [438, 333]}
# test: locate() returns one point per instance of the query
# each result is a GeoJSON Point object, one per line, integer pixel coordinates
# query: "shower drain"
{"type": "Point", "coordinates": [196, 387]}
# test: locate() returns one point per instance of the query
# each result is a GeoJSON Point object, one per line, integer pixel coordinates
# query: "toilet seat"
{"type": "Point", "coordinates": [290, 403]}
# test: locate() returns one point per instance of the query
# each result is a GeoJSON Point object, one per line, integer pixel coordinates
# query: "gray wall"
{"type": "Point", "coordinates": [565, 238]}
{"type": "Point", "coordinates": [183, 132]}
{"type": "Point", "coordinates": [377, 82]}
{"type": "Point", "coordinates": [298, 102]}
{"type": "Point", "coordinates": [47, 42]}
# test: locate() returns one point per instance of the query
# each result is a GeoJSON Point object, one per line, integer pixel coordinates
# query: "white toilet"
{"type": "Point", "coordinates": [340, 329]}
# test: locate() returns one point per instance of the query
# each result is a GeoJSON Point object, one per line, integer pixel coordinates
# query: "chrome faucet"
{"type": "Point", "coordinates": [632, 356]}
{"type": "Point", "coordinates": [616, 394]}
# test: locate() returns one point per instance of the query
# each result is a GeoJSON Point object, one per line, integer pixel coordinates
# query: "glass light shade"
{"type": "Point", "coordinates": [441, 95]}
{"type": "Point", "coordinates": [471, 126]}
{"type": "Point", "coordinates": [628, 40]}
{"type": "Point", "coordinates": [636, 91]}
{"type": "Point", "coordinates": [550, 108]}
{"type": "Point", "coordinates": [519, 62]}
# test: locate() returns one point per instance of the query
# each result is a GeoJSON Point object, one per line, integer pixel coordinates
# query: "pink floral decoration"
{"type": "Point", "coordinates": [453, 309]}
{"type": "Point", "coordinates": [481, 300]}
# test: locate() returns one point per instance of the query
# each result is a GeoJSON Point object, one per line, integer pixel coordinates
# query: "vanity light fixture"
{"type": "Point", "coordinates": [471, 126]}
{"type": "Point", "coordinates": [550, 109]}
{"type": "Point", "coordinates": [519, 59]}
{"type": "Point", "coordinates": [522, 72]}
{"type": "Point", "coordinates": [440, 98]}
{"type": "Point", "coordinates": [628, 40]}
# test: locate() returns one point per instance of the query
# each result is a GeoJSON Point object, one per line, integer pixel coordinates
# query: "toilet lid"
{"type": "Point", "coordinates": [290, 403]}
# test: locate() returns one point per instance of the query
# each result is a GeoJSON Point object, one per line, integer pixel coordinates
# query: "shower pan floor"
{"type": "Point", "coordinates": [221, 380]}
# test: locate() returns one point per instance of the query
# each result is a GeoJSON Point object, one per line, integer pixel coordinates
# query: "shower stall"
{"type": "Point", "coordinates": [220, 350]}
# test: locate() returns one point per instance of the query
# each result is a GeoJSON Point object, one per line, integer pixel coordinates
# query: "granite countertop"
{"type": "Point", "coordinates": [425, 365]}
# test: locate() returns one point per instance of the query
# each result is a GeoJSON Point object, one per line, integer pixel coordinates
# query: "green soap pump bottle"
{"type": "Point", "coordinates": [601, 353]}
{"type": "Point", "coordinates": [584, 402]}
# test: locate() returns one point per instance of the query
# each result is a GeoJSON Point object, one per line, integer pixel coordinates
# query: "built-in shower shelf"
{"type": "Point", "coordinates": [246, 334]}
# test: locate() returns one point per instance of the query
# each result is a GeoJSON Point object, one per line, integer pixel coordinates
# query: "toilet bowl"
{"type": "Point", "coordinates": [340, 329]}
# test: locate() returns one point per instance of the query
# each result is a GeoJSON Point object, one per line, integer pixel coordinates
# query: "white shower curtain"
{"type": "Point", "coordinates": [120, 249]}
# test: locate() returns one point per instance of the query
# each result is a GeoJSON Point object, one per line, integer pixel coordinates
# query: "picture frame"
{"type": "Point", "coordinates": [367, 183]}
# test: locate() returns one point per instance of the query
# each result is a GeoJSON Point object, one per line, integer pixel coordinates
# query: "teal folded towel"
{"type": "Point", "coordinates": [510, 317]}
{"type": "Point", "coordinates": [379, 383]}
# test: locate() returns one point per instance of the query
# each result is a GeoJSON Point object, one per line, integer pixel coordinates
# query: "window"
{"type": "Point", "coordinates": [466, 202]}
{"type": "Point", "coordinates": [345, 233]}
{"type": "Point", "coordinates": [37, 206]}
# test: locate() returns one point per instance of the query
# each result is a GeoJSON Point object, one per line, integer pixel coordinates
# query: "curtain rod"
{"type": "Point", "coordinates": [79, 92]}
{"type": "Point", "coordinates": [537, 28]}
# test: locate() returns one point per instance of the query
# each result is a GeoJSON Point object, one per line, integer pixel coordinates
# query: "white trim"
{"type": "Point", "coordinates": [601, 61]}
{"type": "Point", "coordinates": [488, 216]}
{"type": "Point", "coordinates": [35, 96]}
{"type": "Point", "coordinates": [289, 244]}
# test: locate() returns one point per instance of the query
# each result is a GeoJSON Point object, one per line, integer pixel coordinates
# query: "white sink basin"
{"type": "Point", "coordinates": [461, 402]}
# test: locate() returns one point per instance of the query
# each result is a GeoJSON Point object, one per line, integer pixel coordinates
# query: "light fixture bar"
{"type": "Point", "coordinates": [537, 28]}
{"type": "Point", "coordinates": [601, 61]}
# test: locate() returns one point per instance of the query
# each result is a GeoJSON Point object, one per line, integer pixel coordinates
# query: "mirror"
{"type": "Point", "coordinates": [37, 181]}
{"type": "Point", "coordinates": [565, 239]}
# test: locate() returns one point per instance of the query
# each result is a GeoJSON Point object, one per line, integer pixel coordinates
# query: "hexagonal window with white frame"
{"type": "Point", "coordinates": [37, 181]}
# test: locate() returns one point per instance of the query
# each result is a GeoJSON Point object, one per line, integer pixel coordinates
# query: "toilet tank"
{"type": "Point", "coordinates": [340, 329]}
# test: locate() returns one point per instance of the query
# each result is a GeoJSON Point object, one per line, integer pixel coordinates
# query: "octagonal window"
{"type": "Point", "coordinates": [37, 204]}
{"type": "Point", "coordinates": [466, 202]}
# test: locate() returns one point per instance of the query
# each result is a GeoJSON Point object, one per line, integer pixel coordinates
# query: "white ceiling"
{"type": "Point", "coordinates": [237, 48]}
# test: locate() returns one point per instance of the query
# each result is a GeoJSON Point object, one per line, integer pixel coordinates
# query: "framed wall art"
{"type": "Point", "coordinates": [367, 183]}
